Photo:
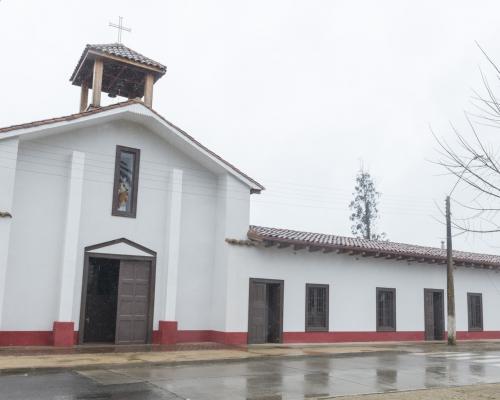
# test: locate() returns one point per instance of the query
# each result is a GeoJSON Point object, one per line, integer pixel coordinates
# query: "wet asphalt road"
{"type": "Point", "coordinates": [272, 379]}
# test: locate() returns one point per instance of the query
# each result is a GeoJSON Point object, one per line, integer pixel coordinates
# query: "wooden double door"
{"type": "Point", "coordinates": [434, 314]}
{"type": "Point", "coordinates": [265, 311]}
{"type": "Point", "coordinates": [118, 301]}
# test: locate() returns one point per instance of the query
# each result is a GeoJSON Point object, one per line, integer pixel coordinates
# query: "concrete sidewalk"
{"type": "Point", "coordinates": [473, 392]}
{"type": "Point", "coordinates": [15, 359]}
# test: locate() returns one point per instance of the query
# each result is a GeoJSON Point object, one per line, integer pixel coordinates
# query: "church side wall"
{"type": "Point", "coordinates": [352, 284]}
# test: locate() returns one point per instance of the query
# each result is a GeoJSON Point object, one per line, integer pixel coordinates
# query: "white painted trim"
{"type": "Point", "coordinates": [137, 109]}
{"type": "Point", "coordinates": [66, 125]}
{"type": "Point", "coordinates": [122, 249]}
{"type": "Point", "coordinates": [173, 227]}
{"type": "Point", "coordinates": [71, 234]}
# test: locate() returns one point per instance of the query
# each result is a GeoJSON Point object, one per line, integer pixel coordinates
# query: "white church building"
{"type": "Point", "coordinates": [116, 226]}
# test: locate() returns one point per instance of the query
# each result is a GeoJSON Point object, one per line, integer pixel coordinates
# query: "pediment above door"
{"type": "Point", "coordinates": [122, 247]}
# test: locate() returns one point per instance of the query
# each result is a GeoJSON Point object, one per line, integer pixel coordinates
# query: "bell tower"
{"type": "Point", "coordinates": [116, 70]}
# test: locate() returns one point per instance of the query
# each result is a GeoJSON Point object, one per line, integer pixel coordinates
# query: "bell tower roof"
{"type": "Point", "coordinates": [120, 70]}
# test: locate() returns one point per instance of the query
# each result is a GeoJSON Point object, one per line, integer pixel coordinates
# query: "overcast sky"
{"type": "Point", "coordinates": [295, 93]}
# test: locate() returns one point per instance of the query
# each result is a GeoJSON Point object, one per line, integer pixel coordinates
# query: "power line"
{"type": "Point", "coordinates": [282, 185]}
{"type": "Point", "coordinates": [243, 197]}
{"type": "Point", "coordinates": [323, 193]}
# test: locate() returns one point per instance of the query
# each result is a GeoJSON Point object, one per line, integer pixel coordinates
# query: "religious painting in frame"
{"type": "Point", "coordinates": [126, 181]}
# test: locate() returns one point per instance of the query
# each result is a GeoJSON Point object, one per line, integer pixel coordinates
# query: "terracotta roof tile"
{"type": "Point", "coordinates": [371, 247]}
{"type": "Point", "coordinates": [120, 51]}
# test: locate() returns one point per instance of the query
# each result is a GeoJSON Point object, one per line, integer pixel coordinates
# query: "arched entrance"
{"type": "Point", "coordinates": [117, 293]}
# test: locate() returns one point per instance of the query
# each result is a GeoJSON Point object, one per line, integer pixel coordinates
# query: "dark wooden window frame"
{"type": "Point", "coordinates": [469, 312]}
{"type": "Point", "coordinates": [386, 328]}
{"type": "Point", "coordinates": [327, 308]}
{"type": "Point", "coordinates": [282, 299]}
{"type": "Point", "coordinates": [135, 184]}
{"type": "Point", "coordinates": [88, 254]}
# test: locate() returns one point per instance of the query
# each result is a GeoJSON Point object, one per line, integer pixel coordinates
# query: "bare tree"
{"type": "Point", "coordinates": [475, 161]}
{"type": "Point", "coordinates": [364, 207]}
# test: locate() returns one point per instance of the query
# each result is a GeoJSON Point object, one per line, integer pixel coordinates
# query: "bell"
{"type": "Point", "coordinates": [120, 85]}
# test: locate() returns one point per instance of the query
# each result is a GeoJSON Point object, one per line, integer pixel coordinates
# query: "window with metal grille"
{"type": "Point", "coordinates": [386, 309]}
{"type": "Point", "coordinates": [475, 311]}
{"type": "Point", "coordinates": [316, 307]}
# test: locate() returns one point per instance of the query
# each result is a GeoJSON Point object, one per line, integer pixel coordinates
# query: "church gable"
{"type": "Point", "coordinates": [136, 112]}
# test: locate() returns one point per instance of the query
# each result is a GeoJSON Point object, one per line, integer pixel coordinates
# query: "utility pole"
{"type": "Point", "coordinates": [450, 292]}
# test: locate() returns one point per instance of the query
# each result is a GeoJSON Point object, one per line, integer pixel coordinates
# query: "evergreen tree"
{"type": "Point", "coordinates": [364, 207]}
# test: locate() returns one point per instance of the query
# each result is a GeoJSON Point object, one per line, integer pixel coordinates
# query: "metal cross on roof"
{"type": "Point", "coordinates": [120, 28]}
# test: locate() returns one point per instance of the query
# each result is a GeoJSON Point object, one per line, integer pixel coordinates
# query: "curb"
{"type": "Point", "coordinates": [132, 364]}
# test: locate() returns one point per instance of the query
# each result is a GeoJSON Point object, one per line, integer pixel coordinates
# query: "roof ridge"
{"type": "Point", "coordinates": [121, 45]}
{"type": "Point", "coordinates": [318, 233]}
{"type": "Point", "coordinates": [122, 52]}
{"type": "Point", "coordinates": [370, 241]}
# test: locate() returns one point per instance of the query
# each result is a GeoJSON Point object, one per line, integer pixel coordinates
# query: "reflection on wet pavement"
{"type": "Point", "coordinates": [271, 379]}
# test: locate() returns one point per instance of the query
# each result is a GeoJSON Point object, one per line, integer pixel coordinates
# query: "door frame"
{"type": "Point", "coordinates": [152, 280]}
{"type": "Point", "coordinates": [425, 309]}
{"type": "Point", "coordinates": [281, 283]}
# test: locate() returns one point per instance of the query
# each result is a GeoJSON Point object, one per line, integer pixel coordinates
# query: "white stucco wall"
{"type": "Point", "coordinates": [232, 216]}
{"type": "Point", "coordinates": [478, 281]}
{"type": "Point", "coordinates": [213, 276]}
{"type": "Point", "coordinates": [8, 161]}
{"type": "Point", "coordinates": [40, 202]}
{"type": "Point", "coordinates": [33, 267]}
{"type": "Point", "coordinates": [353, 282]}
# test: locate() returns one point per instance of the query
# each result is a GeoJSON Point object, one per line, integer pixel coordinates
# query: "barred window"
{"type": "Point", "coordinates": [475, 311]}
{"type": "Point", "coordinates": [386, 309]}
{"type": "Point", "coordinates": [316, 307]}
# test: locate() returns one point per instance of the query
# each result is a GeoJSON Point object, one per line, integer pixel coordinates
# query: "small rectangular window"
{"type": "Point", "coordinates": [316, 307]}
{"type": "Point", "coordinates": [126, 182]}
{"type": "Point", "coordinates": [386, 309]}
{"type": "Point", "coordinates": [475, 311]}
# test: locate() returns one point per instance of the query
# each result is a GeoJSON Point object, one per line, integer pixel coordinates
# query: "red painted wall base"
{"type": "Point", "coordinates": [26, 338]}
{"type": "Point", "coordinates": [63, 334]}
{"type": "Point", "coordinates": [167, 332]}
{"type": "Point", "coordinates": [335, 337]}
{"type": "Point", "coordinates": [32, 338]}
{"type": "Point", "coordinates": [229, 337]}
{"type": "Point", "coordinates": [464, 335]}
